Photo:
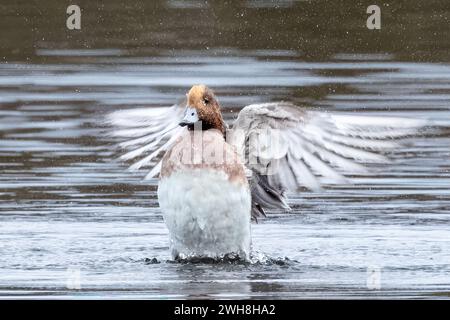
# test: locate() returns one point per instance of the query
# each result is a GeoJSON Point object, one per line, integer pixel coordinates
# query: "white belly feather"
{"type": "Point", "coordinates": [207, 215]}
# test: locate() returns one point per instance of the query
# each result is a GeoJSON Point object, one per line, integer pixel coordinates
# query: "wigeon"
{"type": "Point", "coordinates": [214, 180]}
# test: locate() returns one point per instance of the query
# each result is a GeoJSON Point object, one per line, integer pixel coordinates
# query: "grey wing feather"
{"type": "Point", "coordinates": [287, 147]}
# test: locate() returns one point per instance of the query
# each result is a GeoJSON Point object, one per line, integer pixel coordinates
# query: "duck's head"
{"type": "Point", "coordinates": [202, 108]}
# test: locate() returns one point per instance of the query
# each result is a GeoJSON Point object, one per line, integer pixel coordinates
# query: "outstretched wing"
{"type": "Point", "coordinates": [287, 147]}
{"type": "Point", "coordinates": [146, 133]}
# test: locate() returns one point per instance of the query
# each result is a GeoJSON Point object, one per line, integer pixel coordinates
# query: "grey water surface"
{"type": "Point", "coordinates": [74, 223]}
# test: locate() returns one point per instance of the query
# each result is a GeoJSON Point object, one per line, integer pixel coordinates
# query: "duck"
{"type": "Point", "coordinates": [214, 179]}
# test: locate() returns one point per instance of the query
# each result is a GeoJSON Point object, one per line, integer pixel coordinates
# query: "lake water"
{"type": "Point", "coordinates": [75, 223]}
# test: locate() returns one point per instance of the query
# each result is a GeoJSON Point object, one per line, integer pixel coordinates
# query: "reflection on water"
{"type": "Point", "coordinates": [66, 204]}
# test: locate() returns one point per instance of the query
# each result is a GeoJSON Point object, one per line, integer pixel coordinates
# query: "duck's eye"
{"type": "Point", "coordinates": [205, 100]}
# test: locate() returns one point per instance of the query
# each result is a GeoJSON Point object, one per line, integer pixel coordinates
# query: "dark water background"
{"type": "Point", "coordinates": [69, 211]}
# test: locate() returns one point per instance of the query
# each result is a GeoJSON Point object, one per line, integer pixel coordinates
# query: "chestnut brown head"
{"type": "Point", "coordinates": [202, 107]}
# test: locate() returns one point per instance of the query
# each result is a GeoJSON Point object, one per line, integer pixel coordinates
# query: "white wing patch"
{"type": "Point", "coordinates": [149, 132]}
